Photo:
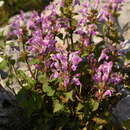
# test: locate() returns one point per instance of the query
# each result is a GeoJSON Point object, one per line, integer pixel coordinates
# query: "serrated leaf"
{"type": "Point", "coordinates": [57, 106]}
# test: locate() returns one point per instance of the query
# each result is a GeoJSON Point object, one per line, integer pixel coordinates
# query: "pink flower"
{"type": "Point", "coordinates": [75, 60]}
{"type": "Point", "coordinates": [76, 2]}
{"type": "Point", "coordinates": [103, 55]}
{"type": "Point", "coordinates": [107, 93]}
{"type": "Point", "coordinates": [92, 29]}
{"type": "Point", "coordinates": [115, 78]}
{"type": "Point", "coordinates": [86, 42]}
{"type": "Point", "coordinates": [106, 69]}
{"type": "Point", "coordinates": [37, 66]}
{"type": "Point", "coordinates": [117, 1]}
{"type": "Point", "coordinates": [103, 72]}
{"type": "Point", "coordinates": [76, 80]}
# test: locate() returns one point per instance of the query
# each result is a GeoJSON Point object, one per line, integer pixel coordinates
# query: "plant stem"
{"type": "Point", "coordinates": [26, 60]}
{"type": "Point", "coordinates": [16, 76]}
{"type": "Point", "coordinates": [71, 34]}
{"type": "Point", "coordinates": [72, 42]}
{"type": "Point", "coordinates": [29, 68]}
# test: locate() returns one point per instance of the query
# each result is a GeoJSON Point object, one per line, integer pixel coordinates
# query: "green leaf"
{"type": "Point", "coordinates": [69, 95]}
{"type": "Point", "coordinates": [79, 107]}
{"type": "Point", "coordinates": [94, 104]}
{"type": "Point", "coordinates": [57, 106]}
{"type": "Point", "coordinates": [29, 80]}
{"type": "Point", "coordinates": [74, 22]}
{"type": "Point", "coordinates": [48, 89]}
{"type": "Point", "coordinates": [126, 124]}
{"type": "Point", "coordinates": [10, 43]}
{"type": "Point", "coordinates": [4, 64]}
{"type": "Point", "coordinates": [29, 100]}
{"type": "Point", "coordinates": [42, 78]}
{"type": "Point", "coordinates": [34, 61]}
{"type": "Point", "coordinates": [128, 56]}
{"type": "Point", "coordinates": [2, 45]}
{"type": "Point", "coordinates": [21, 74]}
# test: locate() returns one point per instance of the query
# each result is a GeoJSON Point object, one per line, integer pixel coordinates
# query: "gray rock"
{"type": "Point", "coordinates": [124, 19]}
{"type": "Point", "coordinates": [122, 111]}
{"type": "Point", "coordinates": [8, 109]}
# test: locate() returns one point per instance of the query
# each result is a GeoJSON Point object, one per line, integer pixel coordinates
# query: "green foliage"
{"type": "Point", "coordinates": [29, 100]}
{"type": "Point", "coordinates": [48, 89]}
{"type": "Point", "coordinates": [47, 103]}
{"type": "Point", "coordinates": [57, 106]}
{"type": "Point", "coordinates": [126, 124]}
{"type": "Point", "coordinates": [3, 64]}
{"type": "Point", "coordinates": [93, 105]}
{"type": "Point", "coordinates": [128, 56]}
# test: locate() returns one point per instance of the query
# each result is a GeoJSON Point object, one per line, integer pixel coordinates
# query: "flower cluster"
{"type": "Point", "coordinates": [103, 72]}
{"type": "Point", "coordinates": [41, 30]}
{"type": "Point", "coordinates": [110, 9]}
{"type": "Point", "coordinates": [63, 63]}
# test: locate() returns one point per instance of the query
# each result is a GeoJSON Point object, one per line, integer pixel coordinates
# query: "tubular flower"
{"type": "Point", "coordinates": [103, 55]}
{"type": "Point", "coordinates": [107, 93]}
{"type": "Point", "coordinates": [103, 72]}
{"type": "Point", "coordinates": [17, 25]}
